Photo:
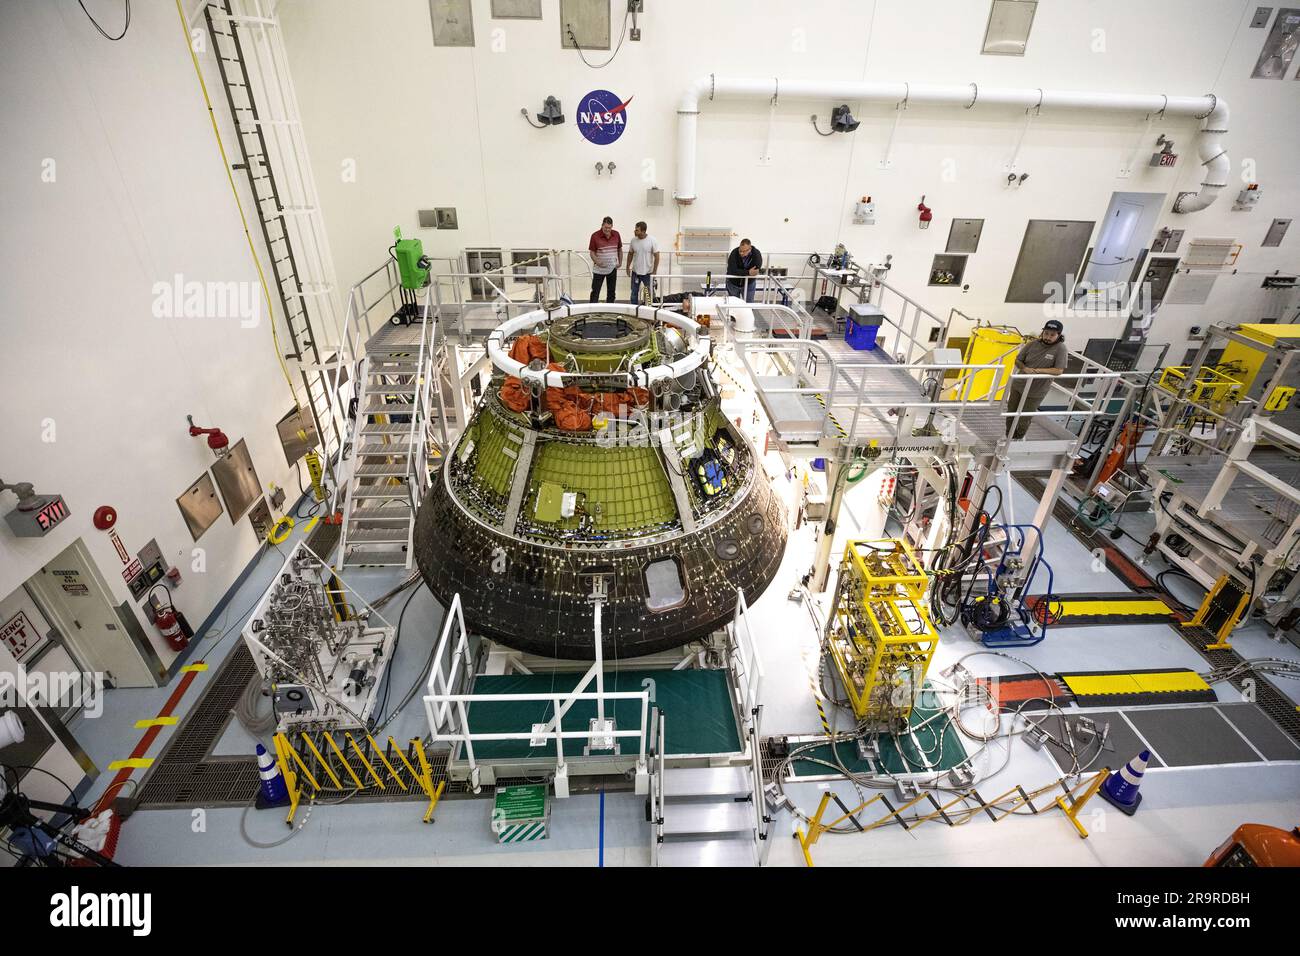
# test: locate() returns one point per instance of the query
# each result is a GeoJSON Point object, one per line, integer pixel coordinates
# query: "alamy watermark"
{"type": "Point", "coordinates": [192, 299]}
{"type": "Point", "coordinates": [58, 689]}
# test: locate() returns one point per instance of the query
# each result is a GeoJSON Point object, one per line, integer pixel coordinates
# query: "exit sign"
{"type": "Point", "coordinates": [51, 514]}
{"type": "Point", "coordinates": [39, 521]}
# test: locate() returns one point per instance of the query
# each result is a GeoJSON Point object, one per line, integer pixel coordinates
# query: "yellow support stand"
{"type": "Point", "coordinates": [290, 778]}
{"type": "Point", "coordinates": [815, 828]}
{"type": "Point", "coordinates": [426, 780]}
{"type": "Point", "coordinates": [1214, 602]}
{"type": "Point", "coordinates": [1072, 811]}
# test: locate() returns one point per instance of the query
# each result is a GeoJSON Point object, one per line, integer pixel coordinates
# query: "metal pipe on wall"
{"type": "Point", "coordinates": [1212, 110]}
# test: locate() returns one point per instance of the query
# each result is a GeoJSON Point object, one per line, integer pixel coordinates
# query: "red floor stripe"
{"type": "Point", "coordinates": [147, 740]}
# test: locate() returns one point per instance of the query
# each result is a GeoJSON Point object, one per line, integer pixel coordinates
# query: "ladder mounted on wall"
{"type": "Point", "coordinates": [272, 153]}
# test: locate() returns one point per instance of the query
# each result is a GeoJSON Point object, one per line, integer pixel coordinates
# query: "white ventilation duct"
{"type": "Point", "coordinates": [1211, 109]}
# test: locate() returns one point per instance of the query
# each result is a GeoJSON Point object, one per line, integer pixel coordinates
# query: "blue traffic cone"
{"type": "Point", "coordinates": [1121, 788]}
{"type": "Point", "coordinates": [273, 793]}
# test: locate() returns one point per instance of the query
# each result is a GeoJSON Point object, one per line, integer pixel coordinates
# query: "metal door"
{"type": "Point", "coordinates": [1049, 259]}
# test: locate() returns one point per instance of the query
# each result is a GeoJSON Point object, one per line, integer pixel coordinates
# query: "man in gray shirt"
{"type": "Point", "coordinates": [642, 262]}
{"type": "Point", "coordinates": [1045, 355]}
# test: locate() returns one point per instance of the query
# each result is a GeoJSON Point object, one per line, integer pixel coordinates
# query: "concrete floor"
{"type": "Point", "coordinates": [1186, 812]}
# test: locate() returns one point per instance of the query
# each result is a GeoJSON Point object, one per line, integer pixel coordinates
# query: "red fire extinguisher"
{"type": "Point", "coordinates": [168, 626]}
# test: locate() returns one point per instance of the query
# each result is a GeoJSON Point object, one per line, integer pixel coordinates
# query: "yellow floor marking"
{"type": "Point", "coordinates": [157, 722]}
{"type": "Point", "coordinates": [135, 763]}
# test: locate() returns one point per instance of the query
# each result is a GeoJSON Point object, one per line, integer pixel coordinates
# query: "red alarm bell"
{"type": "Point", "coordinates": [105, 517]}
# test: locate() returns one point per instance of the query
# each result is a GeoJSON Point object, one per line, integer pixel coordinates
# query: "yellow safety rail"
{"type": "Point", "coordinates": [959, 810]}
{"type": "Point", "coordinates": [1212, 387]}
{"type": "Point", "coordinates": [1221, 610]}
{"type": "Point", "coordinates": [296, 770]}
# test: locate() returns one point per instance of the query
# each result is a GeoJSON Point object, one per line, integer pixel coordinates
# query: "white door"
{"type": "Point", "coordinates": [73, 592]}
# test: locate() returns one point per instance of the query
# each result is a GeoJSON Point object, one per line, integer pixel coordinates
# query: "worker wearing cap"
{"type": "Point", "coordinates": [1045, 355]}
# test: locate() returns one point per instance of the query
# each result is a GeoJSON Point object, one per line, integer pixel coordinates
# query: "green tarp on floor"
{"type": "Point", "coordinates": [697, 710]}
{"type": "Point", "coordinates": [939, 742]}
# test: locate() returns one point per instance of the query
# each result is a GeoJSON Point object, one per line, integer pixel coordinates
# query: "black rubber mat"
{"type": "Point", "coordinates": [1122, 743]}
{"type": "Point", "coordinates": [1192, 736]}
{"type": "Point", "coordinates": [1263, 733]}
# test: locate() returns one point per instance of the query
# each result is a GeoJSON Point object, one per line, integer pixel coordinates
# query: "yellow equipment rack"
{"type": "Point", "coordinates": [879, 634]}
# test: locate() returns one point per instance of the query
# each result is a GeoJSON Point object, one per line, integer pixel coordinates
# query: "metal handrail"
{"type": "Point", "coordinates": [762, 822]}
{"type": "Point", "coordinates": [447, 711]}
{"type": "Point", "coordinates": [745, 660]}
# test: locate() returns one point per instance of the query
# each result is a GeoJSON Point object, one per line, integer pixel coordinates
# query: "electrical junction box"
{"type": "Point", "coordinates": [943, 356]}
{"type": "Point", "coordinates": [1167, 240]}
{"type": "Point", "coordinates": [864, 212]}
{"type": "Point", "coordinates": [36, 522]}
{"type": "Point", "coordinates": [1247, 198]}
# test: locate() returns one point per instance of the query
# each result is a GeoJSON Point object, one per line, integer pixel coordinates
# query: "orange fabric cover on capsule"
{"type": "Point", "coordinates": [571, 407]}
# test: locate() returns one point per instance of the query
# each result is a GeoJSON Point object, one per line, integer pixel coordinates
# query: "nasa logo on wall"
{"type": "Point", "coordinates": [602, 117]}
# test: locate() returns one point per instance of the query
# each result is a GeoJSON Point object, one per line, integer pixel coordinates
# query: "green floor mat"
{"type": "Point", "coordinates": [939, 743]}
{"type": "Point", "coordinates": [696, 705]}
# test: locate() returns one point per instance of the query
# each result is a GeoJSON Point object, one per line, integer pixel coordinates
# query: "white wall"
{"type": "Point", "coordinates": [138, 195]}
{"type": "Point", "coordinates": [433, 126]}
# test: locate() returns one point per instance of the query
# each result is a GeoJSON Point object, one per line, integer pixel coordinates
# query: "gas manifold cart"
{"type": "Point", "coordinates": [879, 635]}
{"type": "Point", "coordinates": [321, 649]}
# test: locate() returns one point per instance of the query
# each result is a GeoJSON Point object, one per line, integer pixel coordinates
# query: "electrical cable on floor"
{"type": "Point", "coordinates": [248, 711]}
{"type": "Point", "coordinates": [298, 828]}
{"type": "Point", "coordinates": [861, 781]}
{"type": "Point", "coordinates": [388, 674]}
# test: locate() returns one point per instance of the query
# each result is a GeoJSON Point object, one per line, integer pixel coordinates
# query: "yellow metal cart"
{"type": "Point", "coordinates": [879, 634]}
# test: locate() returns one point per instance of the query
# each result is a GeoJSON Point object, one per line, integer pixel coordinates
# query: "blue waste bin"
{"type": "Point", "coordinates": [863, 326]}
{"type": "Point", "coordinates": [860, 337]}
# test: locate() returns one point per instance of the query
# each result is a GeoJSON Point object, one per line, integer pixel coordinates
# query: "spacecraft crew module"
{"type": "Point", "coordinates": [599, 455]}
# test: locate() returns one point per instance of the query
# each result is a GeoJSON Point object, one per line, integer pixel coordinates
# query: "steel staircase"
{"type": "Point", "coordinates": [394, 442]}
{"type": "Point", "coordinates": [706, 816]}
{"type": "Point", "coordinates": [253, 66]}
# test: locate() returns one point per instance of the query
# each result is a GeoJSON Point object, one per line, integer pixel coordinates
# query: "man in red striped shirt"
{"type": "Point", "coordinates": [606, 248]}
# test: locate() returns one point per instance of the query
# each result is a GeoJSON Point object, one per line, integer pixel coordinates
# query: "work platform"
{"type": "Point", "coordinates": [699, 703]}
{"type": "Point", "coordinates": [820, 394]}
